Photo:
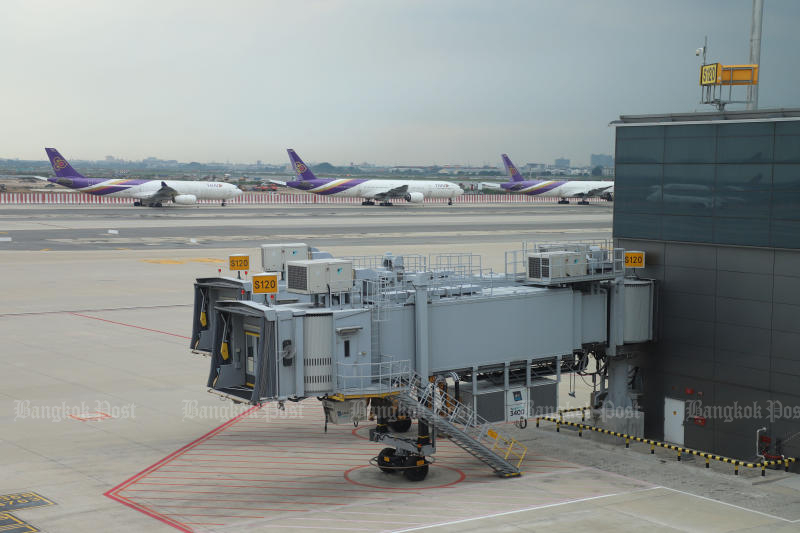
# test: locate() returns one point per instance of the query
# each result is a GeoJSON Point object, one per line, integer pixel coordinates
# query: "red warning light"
{"type": "Point", "coordinates": [700, 421]}
{"type": "Point", "coordinates": [689, 390]}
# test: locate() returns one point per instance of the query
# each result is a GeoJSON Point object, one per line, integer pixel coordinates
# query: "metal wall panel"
{"type": "Point", "coordinates": [465, 333]}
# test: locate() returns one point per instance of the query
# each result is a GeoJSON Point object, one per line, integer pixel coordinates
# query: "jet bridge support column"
{"type": "Point", "coordinates": [421, 323]}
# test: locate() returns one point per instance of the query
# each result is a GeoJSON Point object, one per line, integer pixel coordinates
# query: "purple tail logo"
{"type": "Point", "coordinates": [59, 163]}
{"type": "Point", "coordinates": [300, 167]}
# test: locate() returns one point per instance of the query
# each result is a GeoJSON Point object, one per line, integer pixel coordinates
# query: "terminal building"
{"type": "Point", "coordinates": [714, 201]}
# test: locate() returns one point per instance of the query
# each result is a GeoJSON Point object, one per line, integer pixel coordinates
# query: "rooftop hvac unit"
{"type": "Point", "coordinates": [318, 276]}
{"type": "Point", "coordinates": [275, 256]}
{"type": "Point", "coordinates": [546, 266]}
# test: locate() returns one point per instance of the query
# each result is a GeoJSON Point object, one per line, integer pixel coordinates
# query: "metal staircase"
{"type": "Point", "coordinates": [461, 425]}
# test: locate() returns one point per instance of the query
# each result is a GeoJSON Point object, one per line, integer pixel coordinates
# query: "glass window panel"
{"type": "Point", "coordinates": [691, 130]}
{"type": "Point", "coordinates": [690, 150]}
{"type": "Point", "coordinates": [636, 225]}
{"type": "Point", "coordinates": [741, 203]}
{"type": "Point", "coordinates": [786, 233]}
{"type": "Point", "coordinates": [638, 188]}
{"type": "Point", "coordinates": [741, 231]}
{"type": "Point", "coordinates": [742, 129]}
{"type": "Point", "coordinates": [640, 150]}
{"type": "Point", "coordinates": [688, 189]}
{"type": "Point", "coordinates": [743, 177]}
{"type": "Point", "coordinates": [639, 132]}
{"type": "Point", "coordinates": [744, 149]}
{"type": "Point", "coordinates": [786, 177]}
{"type": "Point", "coordinates": [786, 204]}
{"type": "Point", "coordinates": [789, 127]}
{"type": "Point", "coordinates": [686, 228]}
{"type": "Point", "coordinates": [787, 149]}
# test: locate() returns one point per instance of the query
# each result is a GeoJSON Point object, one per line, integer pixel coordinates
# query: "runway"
{"type": "Point", "coordinates": [108, 228]}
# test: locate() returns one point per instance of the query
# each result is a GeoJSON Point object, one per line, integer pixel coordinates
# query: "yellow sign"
{"type": "Point", "coordinates": [710, 74]}
{"type": "Point", "coordinates": [634, 259]}
{"type": "Point", "coordinates": [265, 283]}
{"type": "Point", "coordinates": [239, 262]}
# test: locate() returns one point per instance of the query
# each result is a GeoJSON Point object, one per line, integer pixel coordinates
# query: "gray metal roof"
{"type": "Point", "coordinates": [711, 116]}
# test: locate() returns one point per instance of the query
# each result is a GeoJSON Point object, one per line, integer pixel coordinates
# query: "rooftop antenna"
{"type": "Point", "coordinates": [755, 50]}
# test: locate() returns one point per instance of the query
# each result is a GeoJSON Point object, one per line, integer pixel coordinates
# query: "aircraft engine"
{"type": "Point", "coordinates": [608, 196]}
{"type": "Point", "coordinates": [415, 197]}
{"type": "Point", "coordinates": [185, 199]}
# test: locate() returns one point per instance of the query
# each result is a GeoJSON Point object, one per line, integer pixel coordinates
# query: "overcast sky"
{"type": "Point", "coordinates": [392, 82]}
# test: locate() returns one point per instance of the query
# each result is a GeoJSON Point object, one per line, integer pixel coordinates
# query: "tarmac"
{"type": "Point", "coordinates": [106, 417]}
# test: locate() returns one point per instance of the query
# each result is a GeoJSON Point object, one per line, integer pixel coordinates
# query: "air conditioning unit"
{"type": "Point", "coordinates": [318, 276]}
{"type": "Point", "coordinates": [576, 264]}
{"type": "Point", "coordinates": [546, 266]}
{"type": "Point", "coordinates": [275, 256]}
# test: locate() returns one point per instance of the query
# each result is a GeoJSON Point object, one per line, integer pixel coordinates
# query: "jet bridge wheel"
{"type": "Point", "coordinates": [401, 426]}
{"type": "Point", "coordinates": [386, 457]}
{"type": "Point", "coordinates": [415, 471]}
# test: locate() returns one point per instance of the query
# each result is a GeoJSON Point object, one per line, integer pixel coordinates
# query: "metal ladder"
{"type": "Point", "coordinates": [462, 425]}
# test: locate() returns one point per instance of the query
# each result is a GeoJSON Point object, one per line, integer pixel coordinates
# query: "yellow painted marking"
{"type": "Point", "coordinates": [492, 433]}
{"type": "Point", "coordinates": [164, 261]}
{"type": "Point", "coordinates": [206, 260]}
{"type": "Point", "coordinates": [251, 334]}
{"type": "Point", "coordinates": [45, 250]}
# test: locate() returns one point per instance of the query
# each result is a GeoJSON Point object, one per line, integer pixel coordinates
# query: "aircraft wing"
{"type": "Point", "coordinates": [278, 182]}
{"type": "Point", "coordinates": [164, 194]}
{"type": "Point", "coordinates": [492, 186]}
{"type": "Point", "coordinates": [397, 192]}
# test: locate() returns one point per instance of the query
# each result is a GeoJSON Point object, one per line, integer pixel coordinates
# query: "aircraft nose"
{"type": "Point", "coordinates": [238, 191]}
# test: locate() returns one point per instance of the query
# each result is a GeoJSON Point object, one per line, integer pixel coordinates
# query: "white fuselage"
{"type": "Point", "coordinates": [202, 190]}
{"type": "Point", "coordinates": [372, 188]}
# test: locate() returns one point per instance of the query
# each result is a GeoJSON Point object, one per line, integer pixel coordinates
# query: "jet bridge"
{"type": "Point", "coordinates": [440, 339]}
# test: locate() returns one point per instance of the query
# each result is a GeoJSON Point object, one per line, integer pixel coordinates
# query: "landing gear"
{"type": "Point", "coordinates": [563, 201]}
{"type": "Point", "coordinates": [157, 204]}
{"type": "Point", "coordinates": [137, 203]}
{"type": "Point", "coordinates": [367, 202]}
{"type": "Point", "coordinates": [450, 201]}
{"type": "Point", "coordinates": [583, 202]}
{"type": "Point", "coordinates": [386, 204]}
{"type": "Point", "coordinates": [223, 203]}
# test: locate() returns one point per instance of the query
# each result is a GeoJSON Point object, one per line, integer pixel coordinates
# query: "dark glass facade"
{"type": "Point", "coordinates": [716, 208]}
{"type": "Point", "coordinates": [730, 183]}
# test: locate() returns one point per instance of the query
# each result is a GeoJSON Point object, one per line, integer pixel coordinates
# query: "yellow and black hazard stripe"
{"type": "Point", "coordinates": [785, 462]}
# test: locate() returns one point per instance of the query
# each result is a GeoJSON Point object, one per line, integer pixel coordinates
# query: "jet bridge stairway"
{"type": "Point", "coordinates": [462, 425]}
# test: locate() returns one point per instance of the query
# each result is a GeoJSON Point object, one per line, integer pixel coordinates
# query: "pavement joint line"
{"type": "Point", "coordinates": [516, 511]}
{"type": "Point", "coordinates": [62, 311]}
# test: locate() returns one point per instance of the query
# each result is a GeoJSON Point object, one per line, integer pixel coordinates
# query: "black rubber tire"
{"type": "Point", "coordinates": [401, 426]}
{"type": "Point", "coordinates": [417, 473]}
{"type": "Point", "coordinates": [386, 452]}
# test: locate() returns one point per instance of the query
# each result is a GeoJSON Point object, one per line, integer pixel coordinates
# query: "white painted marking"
{"type": "Point", "coordinates": [534, 508]}
{"type": "Point", "coordinates": [734, 506]}
{"type": "Point", "coordinates": [5, 239]}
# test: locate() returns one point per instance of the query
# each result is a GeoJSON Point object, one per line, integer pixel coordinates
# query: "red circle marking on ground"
{"type": "Point", "coordinates": [461, 478]}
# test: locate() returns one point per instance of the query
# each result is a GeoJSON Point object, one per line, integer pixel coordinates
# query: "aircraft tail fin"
{"type": "Point", "coordinates": [301, 169]}
{"type": "Point", "coordinates": [60, 165]}
{"type": "Point", "coordinates": [511, 169]}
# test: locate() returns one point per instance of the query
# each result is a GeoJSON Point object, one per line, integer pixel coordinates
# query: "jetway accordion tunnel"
{"type": "Point", "coordinates": [436, 337]}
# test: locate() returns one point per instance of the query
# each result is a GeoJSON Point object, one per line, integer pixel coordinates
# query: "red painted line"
{"type": "Point", "coordinates": [113, 493]}
{"type": "Point", "coordinates": [130, 325]}
{"type": "Point", "coordinates": [293, 468]}
{"type": "Point", "coordinates": [159, 498]}
{"type": "Point", "coordinates": [244, 508]}
{"type": "Point", "coordinates": [234, 478]}
{"type": "Point", "coordinates": [220, 515]}
{"type": "Point", "coordinates": [459, 480]}
{"type": "Point", "coordinates": [203, 524]}
{"type": "Point", "coordinates": [244, 487]}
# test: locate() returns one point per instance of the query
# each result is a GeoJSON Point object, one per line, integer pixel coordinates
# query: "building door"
{"type": "Point", "coordinates": [674, 414]}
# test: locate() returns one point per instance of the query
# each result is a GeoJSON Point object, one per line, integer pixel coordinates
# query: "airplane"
{"type": "Point", "coordinates": [148, 193]}
{"type": "Point", "coordinates": [559, 188]}
{"type": "Point", "coordinates": [381, 191]}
